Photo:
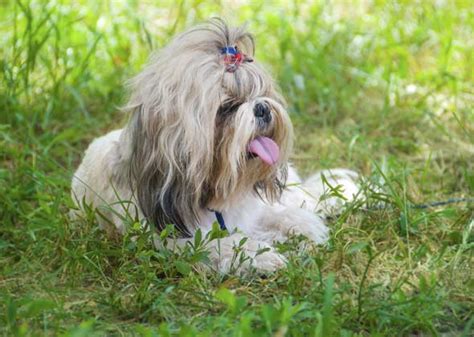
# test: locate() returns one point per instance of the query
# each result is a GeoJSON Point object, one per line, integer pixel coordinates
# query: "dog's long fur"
{"type": "Point", "coordinates": [185, 151]}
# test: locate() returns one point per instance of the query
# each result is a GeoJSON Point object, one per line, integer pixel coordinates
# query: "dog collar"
{"type": "Point", "coordinates": [220, 219]}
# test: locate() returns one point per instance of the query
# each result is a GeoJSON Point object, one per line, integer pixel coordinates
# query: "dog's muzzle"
{"type": "Point", "coordinates": [262, 112]}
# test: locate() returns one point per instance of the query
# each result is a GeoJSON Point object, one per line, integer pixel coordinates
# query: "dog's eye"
{"type": "Point", "coordinates": [228, 108]}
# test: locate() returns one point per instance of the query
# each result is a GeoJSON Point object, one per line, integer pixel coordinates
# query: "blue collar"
{"type": "Point", "coordinates": [219, 218]}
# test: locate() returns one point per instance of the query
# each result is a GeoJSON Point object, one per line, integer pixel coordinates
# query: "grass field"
{"type": "Point", "coordinates": [386, 88]}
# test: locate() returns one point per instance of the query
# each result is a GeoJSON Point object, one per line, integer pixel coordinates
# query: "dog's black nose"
{"type": "Point", "coordinates": [262, 111]}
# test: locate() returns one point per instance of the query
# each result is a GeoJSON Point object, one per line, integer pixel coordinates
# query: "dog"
{"type": "Point", "coordinates": [209, 139]}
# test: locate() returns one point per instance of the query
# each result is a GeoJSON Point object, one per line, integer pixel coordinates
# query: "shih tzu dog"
{"type": "Point", "coordinates": [209, 140]}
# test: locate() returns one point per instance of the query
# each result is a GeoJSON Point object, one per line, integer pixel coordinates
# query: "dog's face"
{"type": "Point", "coordinates": [251, 142]}
{"type": "Point", "coordinates": [206, 130]}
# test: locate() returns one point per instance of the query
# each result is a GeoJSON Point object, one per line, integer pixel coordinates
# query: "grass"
{"type": "Point", "coordinates": [385, 88]}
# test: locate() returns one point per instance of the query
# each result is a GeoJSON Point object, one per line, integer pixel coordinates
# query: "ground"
{"type": "Point", "coordinates": [383, 88]}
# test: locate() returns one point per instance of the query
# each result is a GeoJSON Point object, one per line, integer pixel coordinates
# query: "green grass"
{"type": "Point", "coordinates": [384, 88]}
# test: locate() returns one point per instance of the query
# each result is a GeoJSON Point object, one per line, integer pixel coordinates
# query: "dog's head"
{"type": "Point", "coordinates": [208, 127]}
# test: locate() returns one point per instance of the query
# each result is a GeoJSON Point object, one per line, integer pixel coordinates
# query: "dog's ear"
{"type": "Point", "coordinates": [167, 175]}
{"type": "Point", "coordinates": [174, 104]}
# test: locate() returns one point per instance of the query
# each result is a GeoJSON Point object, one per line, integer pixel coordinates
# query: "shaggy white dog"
{"type": "Point", "coordinates": [208, 139]}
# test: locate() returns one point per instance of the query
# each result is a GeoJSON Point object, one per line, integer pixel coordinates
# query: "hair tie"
{"type": "Point", "coordinates": [233, 58]}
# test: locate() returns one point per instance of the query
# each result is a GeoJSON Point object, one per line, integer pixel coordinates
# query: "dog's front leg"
{"type": "Point", "coordinates": [237, 253]}
{"type": "Point", "coordinates": [278, 223]}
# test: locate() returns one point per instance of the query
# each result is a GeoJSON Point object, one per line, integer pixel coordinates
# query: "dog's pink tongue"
{"type": "Point", "coordinates": [266, 149]}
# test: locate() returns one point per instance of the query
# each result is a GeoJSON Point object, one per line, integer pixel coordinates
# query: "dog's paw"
{"type": "Point", "coordinates": [303, 222]}
{"type": "Point", "coordinates": [264, 263]}
{"type": "Point", "coordinates": [333, 189]}
{"type": "Point", "coordinates": [279, 225]}
{"type": "Point", "coordinates": [234, 256]}
{"type": "Point", "coordinates": [319, 234]}
{"type": "Point", "coordinates": [268, 261]}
